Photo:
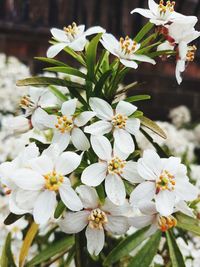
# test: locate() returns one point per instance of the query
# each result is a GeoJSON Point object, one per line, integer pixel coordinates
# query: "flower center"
{"type": "Point", "coordinates": [169, 7]}
{"type": "Point", "coordinates": [116, 165]}
{"type": "Point", "coordinates": [165, 223]}
{"type": "Point", "coordinates": [191, 52]}
{"type": "Point", "coordinates": [64, 124]}
{"type": "Point", "coordinates": [127, 45]}
{"type": "Point", "coordinates": [166, 181]}
{"type": "Point", "coordinates": [26, 102]}
{"type": "Point", "coordinates": [53, 180]}
{"type": "Point", "coordinates": [119, 121]}
{"type": "Point", "coordinates": [97, 219]}
{"type": "Point", "coordinates": [71, 30]}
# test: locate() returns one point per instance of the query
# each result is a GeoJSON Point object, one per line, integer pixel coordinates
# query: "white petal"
{"type": "Point", "coordinates": [79, 44]}
{"type": "Point", "coordinates": [165, 201]}
{"type": "Point", "coordinates": [61, 139]}
{"type": "Point", "coordinates": [148, 208]}
{"type": "Point", "coordinates": [115, 189]}
{"type": "Point", "coordinates": [153, 6]}
{"type": "Point", "coordinates": [74, 222]}
{"type": "Point", "coordinates": [172, 164]}
{"type": "Point", "coordinates": [115, 210]}
{"type": "Point", "coordinates": [55, 49]}
{"type": "Point", "coordinates": [141, 221]}
{"type": "Point", "coordinates": [13, 205]}
{"type": "Point", "coordinates": [144, 12]}
{"type": "Point", "coordinates": [99, 128]}
{"type": "Point", "coordinates": [42, 120]}
{"type": "Point", "coordinates": [132, 125]}
{"type": "Point", "coordinates": [117, 152]}
{"type": "Point", "coordinates": [117, 225]}
{"type": "Point", "coordinates": [130, 173]}
{"type": "Point", "coordinates": [143, 58]}
{"type": "Point", "coordinates": [69, 107]}
{"type": "Point", "coordinates": [70, 198]}
{"type": "Point", "coordinates": [101, 147]}
{"type": "Point", "coordinates": [185, 190]}
{"type": "Point", "coordinates": [42, 164]}
{"type": "Point", "coordinates": [79, 139]}
{"type": "Point", "coordinates": [123, 140]}
{"type": "Point", "coordinates": [67, 162]}
{"type": "Point", "coordinates": [59, 35]}
{"type": "Point", "coordinates": [110, 40]}
{"type": "Point", "coordinates": [94, 174]}
{"type": "Point", "coordinates": [88, 196]}
{"type": "Point", "coordinates": [94, 30]}
{"type": "Point", "coordinates": [28, 179]}
{"type": "Point", "coordinates": [109, 47]}
{"type": "Point", "coordinates": [144, 192]}
{"type": "Point", "coordinates": [180, 67]}
{"type": "Point", "coordinates": [125, 108]}
{"type": "Point", "coordinates": [129, 63]}
{"type": "Point", "coordinates": [151, 230]}
{"type": "Point", "coordinates": [83, 118]}
{"type": "Point", "coordinates": [44, 207]}
{"type": "Point", "coordinates": [102, 109]}
{"type": "Point", "coordinates": [183, 207]}
{"type": "Point", "coordinates": [95, 240]}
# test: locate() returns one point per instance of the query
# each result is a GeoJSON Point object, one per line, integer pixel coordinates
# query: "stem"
{"type": "Point", "coordinates": [78, 254]}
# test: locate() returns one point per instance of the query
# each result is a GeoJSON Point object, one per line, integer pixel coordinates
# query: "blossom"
{"type": "Point", "coordinates": [159, 14]}
{"type": "Point", "coordinates": [120, 121]}
{"type": "Point", "coordinates": [72, 36]}
{"type": "Point", "coordinates": [125, 49]}
{"type": "Point", "coordinates": [46, 178]}
{"type": "Point", "coordinates": [180, 115]}
{"type": "Point", "coordinates": [165, 180]}
{"type": "Point", "coordinates": [17, 125]}
{"type": "Point", "coordinates": [66, 125]}
{"type": "Point", "coordinates": [96, 218]}
{"type": "Point", "coordinates": [112, 167]}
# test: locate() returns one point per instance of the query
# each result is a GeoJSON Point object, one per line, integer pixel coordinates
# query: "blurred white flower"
{"type": "Point", "coordinates": [180, 116]}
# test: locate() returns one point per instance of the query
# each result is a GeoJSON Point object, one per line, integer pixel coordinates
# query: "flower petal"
{"type": "Point", "coordinates": [83, 118]}
{"type": "Point", "coordinates": [88, 196]}
{"type": "Point", "coordinates": [125, 108]}
{"type": "Point", "coordinates": [61, 139]}
{"type": "Point", "coordinates": [67, 162]}
{"type": "Point", "coordinates": [28, 179]}
{"type": "Point", "coordinates": [110, 40]}
{"type": "Point", "coordinates": [94, 174]}
{"type": "Point", "coordinates": [132, 125]}
{"type": "Point", "coordinates": [42, 120]}
{"type": "Point", "coordinates": [183, 207]}
{"type": "Point", "coordinates": [148, 208]}
{"type": "Point", "coordinates": [153, 6]}
{"type": "Point", "coordinates": [184, 190]}
{"type": "Point", "coordinates": [55, 49]}
{"type": "Point", "coordinates": [165, 201]}
{"type": "Point", "coordinates": [79, 139]}
{"type": "Point", "coordinates": [123, 140]}
{"type": "Point", "coordinates": [129, 63]}
{"type": "Point", "coordinates": [44, 207]}
{"type": "Point", "coordinates": [42, 165]}
{"type": "Point", "coordinates": [117, 225]}
{"type": "Point", "coordinates": [102, 109]}
{"type": "Point", "coordinates": [99, 128]}
{"type": "Point", "coordinates": [141, 221]}
{"type": "Point", "coordinates": [115, 189]}
{"type": "Point", "coordinates": [95, 240]}
{"type": "Point", "coordinates": [94, 30]}
{"type": "Point", "coordinates": [144, 12]}
{"type": "Point", "coordinates": [59, 35]}
{"type": "Point", "coordinates": [74, 222]}
{"type": "Point", "coordinates": [79, 44]}
{"type": "Point", "coordinates": [143, 58]}
{"type": "Point", "coordinates": [114, 210]}
{"type": "Point", "coordinates": [101, 147]}
{"type": "Point", "coordinates": [68, 108]}
{"type": "Point", "coordinates": [130, 173]}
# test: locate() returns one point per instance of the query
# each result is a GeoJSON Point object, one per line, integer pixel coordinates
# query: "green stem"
{"type": "Point", "coordinates": [78, 260]}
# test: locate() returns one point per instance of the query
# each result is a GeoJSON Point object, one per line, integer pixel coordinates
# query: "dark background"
{"type": "Point", "coordinates": [24, 33]}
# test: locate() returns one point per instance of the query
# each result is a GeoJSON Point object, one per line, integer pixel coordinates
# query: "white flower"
{"type": "Point", "coordinates": [112, 167]}
{"type": "Point", "coordinates": [166, 182]}
{"type": "Point", "coordinates": [125, 50]}
{"type": "Point", "coordinates": [165, 46]}
{"type": "Point", "coordinates": [159, 14]}
{"type": "Point", "coordinates": [72, 36]}
{"type": "Point", "coordinates": [47, 178]}
{"type": "Point", "coordinates": [33, 103]}
{"type": "Point", "coordinates": [180, 115]}
{"type": "Point", "coordinates": [66, 126]}
{"type": "Point", "coordinates": [17, 125]}
{"type": "Point", "coordinates": [118, 121]}
{"type": "Point", "coordinates": [96, 219]}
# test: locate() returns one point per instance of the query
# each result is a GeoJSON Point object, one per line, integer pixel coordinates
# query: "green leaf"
{"type": "Point", "coordinates": [103, 62]}
{"type": "Point", "coordinates": [149, 39]}
{"type": "Point", "coordinates": [147, 27]}
{"type": "Point", "coordinates": [160, 53]}
{"type": "Point", "coordinates": [146, 254]}
{"type": "Point", "coordinates": [125, 247]}
{"type": "Point", "coordinates": [137, 114]}
{"type": "Point", "coordinates": [57, 93]}
{"type": "Point", "coordinates": [67, 70]}
{"type": "Point", "coordinates": [101, 193]}
{"type": "Point", "coordinates": [30, 235]}
{"type": "Point", "coordinates": [174, 252]}
{"type": "Point", "coordinates": [136, 98]}
{"type": "Point", "coordinates": [51, 61]}
{"type": "Point", "coordinates": [188, 223]}
{"type": "Point", "coordinates": [45, 81]}
{"type": "Point", "coordinates": [146, 49]}
{"type": "Point", "coordinates": [152, 126]}
{"type": "Point", "coordinates": [75, 55]}
{"type": "Point", "coordinates": [91, 53]}
{"type": "Point", "coordinates": [55, 248]}
{"type": "Point", "coordinates": [6, 254]}
{"type": "Point", "coordinates": [98, 89]}
{"type": "Point", "coordinates": [11, 218]}
{"type": "Point", "coordinates": [59, 209]}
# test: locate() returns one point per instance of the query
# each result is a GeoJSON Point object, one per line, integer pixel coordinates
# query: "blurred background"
{"type": "Point", "coordinates": [24, 33]}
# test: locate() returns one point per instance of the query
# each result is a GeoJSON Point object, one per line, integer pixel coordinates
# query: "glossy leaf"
{"type": "Point", "coordinates": [147, 27]}
{"type": "Point", "coordinates": [11, 218]}
{"type": "Point", "coordinates": [188, 223]}
{"type": "Point", "coordinates": [75, 55]}
{"type": "Point", "coordinates": [59, 209]}
{"type": "Point", "coordinates": [152, 126]}
{"type": "Point", "coordinates": [98, 89]}
{"type": "Point", "coordinates": [57, 93]}
{"type": "Point", "coordinates": [51, 61]}
{"type": "Point", "coordinates": [136, 98]}
{"type": "Point", "coordinates": [67, 70]}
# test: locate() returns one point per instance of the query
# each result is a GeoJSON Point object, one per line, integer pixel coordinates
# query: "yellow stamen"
{"type": "Point", "coordinates": [64, 124]}
{"type": "Point", "coordinates": [53, 180]}
{"type": "Point", "coordinates": [116, 165]}
{"type": "Point", "coordinates": [119, 121]}
{"type": "Point", "coordinates": [97, 219]}
{"type": "Point", "coordinates": [165, 223]}
{"type": "Point", "coordinates": [191, 53]}
{"type": "Point", "coordinates": [127, 45]}
{"type": "Point", "coordinates": [168, 7]}
{"type": "Point", "coordinates": [166, 181]}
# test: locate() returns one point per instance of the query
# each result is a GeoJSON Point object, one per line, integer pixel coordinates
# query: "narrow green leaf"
{"type": "Point", "coordinates": [152, 126]}
{"type": "Point", "coordinates": [55, 248]}
{"type": "Point", "coordinates": [103, 62]}
{"type": "Point", "coordinates": [67, 70]}
{"type": "Point", "coordinates": [11, 218]}
{"type": "Point", "coordinates": [75, 55]}
{"type": "Point", "coordinates": [101, 193]}
{"type": "Point", "coordinates": [146, 254]}
{"type": "Point", "coordinates": [147, 27]}
{"type": "Point", "coordinates": [146, 49]}
{"type": "Point", "coordinates": [137, 114]}
{"type": "Point", "coordinates": [136, 98]}
{"type": "Point", "coordinates": [59, 209]}
{"type": "Point", "coordinates": [188, 223]}
{"type": "Point", "coordinates": [125, 247]}
{"type": "Point", "coordinates": [91, 53]}
{"type": "Point", "coordinates": [57, 93]}
{"type": "Point", "coordinates": [98, 89]}
{"type": "Point", "coordinates": [51, 61]}
{"type": "Point", "coordinates": [174, 252]}
{"type": "Point", "coordinates": [6, 254]}
{"type": "Point", "coordinates": [149, 39]}
{"type": "Point", "coordinates": [160, 53]}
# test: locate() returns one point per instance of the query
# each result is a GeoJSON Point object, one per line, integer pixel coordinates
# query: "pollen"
{"type": "Point", "coordinates": [64, 124]}
{"type": "Point", "coordinates": [53, 180]}
{"type": "Point", "coordinates": [191, 53]}
{"type": "Point", "coordinates": [97, 219]}
{"type": "Point", "coordinates": [71, 30]}
{"type": "Point", "coordinates": [166, 181]}
{"type": "Point", "coordinates": [169, 7]}
{"type": "Point", "coordinates": [119, 121]}
{"type": "Point", "coordinates": [165, 223]}
{"type": "Point", "coordinates": [26, 102]}
{"type": "Point", "coordinates": [127, 45]}
{"type": "Point", "coordinates": [116, 165]}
